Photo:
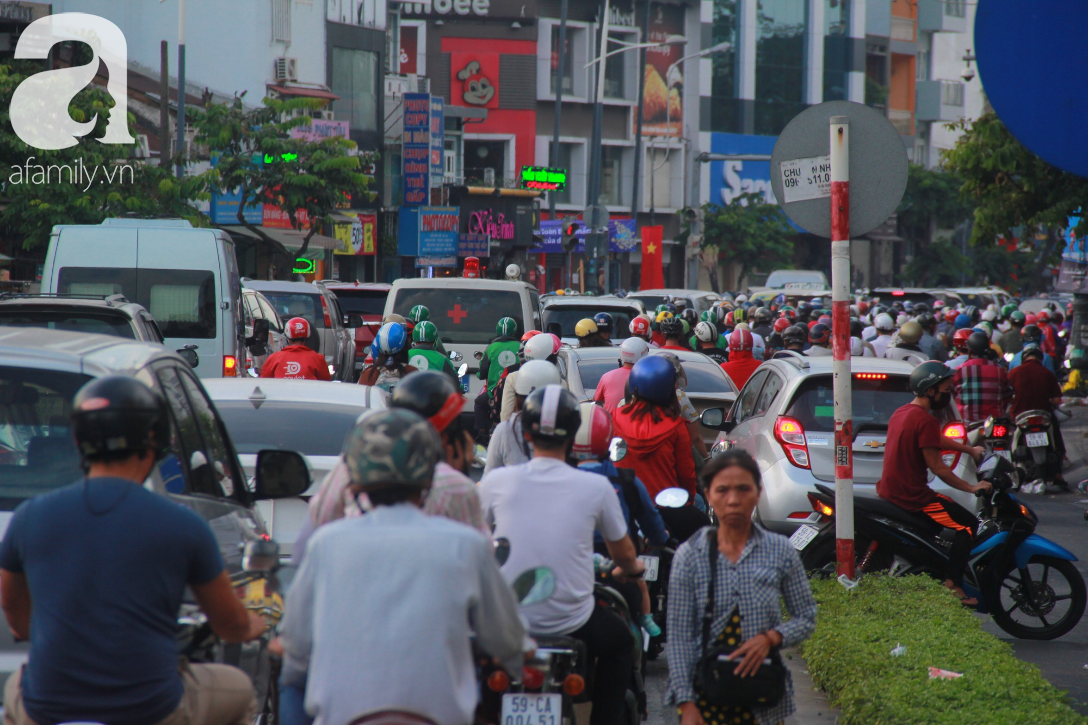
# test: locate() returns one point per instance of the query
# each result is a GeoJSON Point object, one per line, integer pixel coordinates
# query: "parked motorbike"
{"type": "Point", "coordinates": [1033, 447]}
{"type": "Point", "coordinates": [1028, 583]}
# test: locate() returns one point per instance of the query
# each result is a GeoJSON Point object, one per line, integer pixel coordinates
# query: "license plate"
{"type": "Point", "coordinates": [1037, 440]}
{"type": "Point", "coordinates": [532, 709]}
{"type": "Point", "coordinates": [651, 563]}
{"type": "Point", "coordinates": [464, 384]}
{"type": "Point", "coordinates": [803, 536]}
{"type": "Point", "coordinates": [1007, 455]}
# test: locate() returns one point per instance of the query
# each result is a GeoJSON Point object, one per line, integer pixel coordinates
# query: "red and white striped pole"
{"type": "Point", "coordinates": [840, 331]}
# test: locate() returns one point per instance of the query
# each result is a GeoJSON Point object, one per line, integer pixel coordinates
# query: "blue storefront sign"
{"type": "Point", "coordinates": [730, 179]}
{"type": "Point", "coordinates": [438, 141]}
{"type": "Point", "coordinates": [223, 208]}
{"type": "Point", "coordinates": [622, 237]}
{"type": "Point", "coordinates": [416, 153]}
{"type": "Point", "coordinates": [429, 231]}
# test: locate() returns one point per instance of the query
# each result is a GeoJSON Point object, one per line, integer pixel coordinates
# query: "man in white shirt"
{"type": "Point", "coordinates": [548, 512]}
{"type": "Point", "coordinates": [381, 611]}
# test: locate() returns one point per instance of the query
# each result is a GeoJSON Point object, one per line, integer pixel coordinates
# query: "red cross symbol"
{"type": "Point", "coordinates": [457, 314]}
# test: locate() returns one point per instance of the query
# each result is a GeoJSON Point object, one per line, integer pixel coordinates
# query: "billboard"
{"type": "Point", "coordinates": [730, 179]}
{"type": "Point", "coordinates": [622, 237]}
{"type": "Point", "coordinates": [429, 231]}
{"type": "Point", "coordinates": [663, 89]}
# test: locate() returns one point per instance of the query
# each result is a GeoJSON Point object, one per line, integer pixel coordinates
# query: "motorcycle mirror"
{"type": "Point", "coordinates": [671, 498]}
{"type": "Point", "coordinates": [252, 372]}
{"type": "Point", "coordinates": [617, 450]}
{"type": "Point", "coordinates": [478, 355]}
{"type": "Point", "coordinates": [1008, 357]}
{"type": "Point", "coordinates": [456, 356]}
{"type": "Point", "coordinates": [534, 586]}
{"type": "Point", "coordinates": [502, 550]}
{"type": "Point", "coordinates": [462, 370]}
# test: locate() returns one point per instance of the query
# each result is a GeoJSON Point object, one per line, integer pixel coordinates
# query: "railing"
{"type": "Point", "coordinates": [902, 120]}
{"type": "Point", "coordinates": [903, 29]}
{"type": "Point", "coordinates": [952, 93]}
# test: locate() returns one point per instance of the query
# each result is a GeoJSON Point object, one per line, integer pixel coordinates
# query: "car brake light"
{"type": "Point", "coordinates": [325, 309]}
{"type": "Point", "coordinates": [230, 366]}
{"type": "Point", "coordinates": [870, 376]}
{"type": "Point", "coordinates": [958, 431]}
{"type": "Point", "coordinates": [799, 515]}
{"type": "Point", "coordinates": [791, 435]}
{"type": "Point", "coordinates": [1000, 431]}
{"type": "Point", "coordinates": [898, 293]}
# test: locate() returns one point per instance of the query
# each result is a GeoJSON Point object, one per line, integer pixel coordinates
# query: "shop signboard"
{"type": "Point", "coordinates": [428, 231]}
{"type": "Point", "coordinates": [730, 179]}
{"type": "Point", "coordinates": [438, 141]}
{"type": "Point", "coordinates": [357, 237]}
{"type": "Point", "coordinates": [622, 237]}
{"type": "Point", "coordinates": [223, 208]}
{"type": "Point", "coordinates": [469, 9]}
{"type": "Point", "coordinates": [663, 89]}
{"type": "Point", "coordinates": [417, 149]}
{"type": "Point", "coordinates": [474, 245]}
{"type": "Point", "coordinates": [321, 129]}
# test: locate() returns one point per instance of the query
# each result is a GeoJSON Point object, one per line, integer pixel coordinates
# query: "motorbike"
{"type": "Point", "coordinates": [995, 436]}
{"type": "Point", "coordinates": [658, 563]}
{"type": "Point", "coordinates": [1033, 446]}
{"type": "Point", "coordinates": [1028, 583]}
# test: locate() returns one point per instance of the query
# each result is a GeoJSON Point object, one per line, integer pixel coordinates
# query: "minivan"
{"type": "Point", "coordinates": [186, 277]}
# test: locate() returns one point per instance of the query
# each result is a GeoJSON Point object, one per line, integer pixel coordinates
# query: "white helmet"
{"type": "Point", "coordinates": [989, 315]}
{"type": "Point", "coordinates": [633, 349]}
{"type": "Point", "coordinates": [901, 319]}
{"type": "Point", "coordinates": [742, 326]}
{"type": "Point", "coordinates": [705, 332]}
{"type": "Point", "coordinates": [740, 299]}
{"type": "Point", "coordinates": [857, 347]}
{"type": "Point", "coordinates": [513, 271]}
{"type": "Point", "coordinates": [883, 322]}
{"type": "Point", "coordinates": [540, 347]}
{"type": "Point", "coordinates": [535, 374]}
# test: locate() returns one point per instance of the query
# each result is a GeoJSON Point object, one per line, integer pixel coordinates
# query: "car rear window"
{"type": "Point", "coordinates": [591, 371]}
{"type": "Point", "coordinates": [978, 299]}
{"type": "Point", "coordinates": [463, 316]}
{"type": "Point", "coordinates": [37, 453]}
{"type": "Point", "coordinates": [298, 304]}
{"type": "Point", "coordinates": [874, 401]}
{"type": "Point", "coordinates": [78, 320]}
{"type": "Point", "coordinates": [315, 429]}
{"type": "Point", "coordinates": [361, 302]}
{"type": "Point", "coordinates": [182, 301]}
{"type": "Point", "coordinates": [567, 316]}
{"type": "Point", "coordinates": [706, 378]}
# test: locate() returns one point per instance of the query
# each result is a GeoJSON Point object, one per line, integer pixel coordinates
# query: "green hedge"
{"type": "Point", "coordinates": [849, 657]}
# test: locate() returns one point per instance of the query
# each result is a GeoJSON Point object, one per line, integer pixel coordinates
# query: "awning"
{"type": "Point", "coordinates": [303, 92]}
{"type": "Point", "coordinates": [290, 239]}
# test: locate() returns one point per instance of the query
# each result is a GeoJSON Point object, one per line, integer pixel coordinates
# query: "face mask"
{"type": "Point", "coordinates": [941, 401]}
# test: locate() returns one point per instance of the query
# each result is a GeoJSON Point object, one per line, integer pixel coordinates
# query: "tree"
{"type": "Point", "coordinates": [931, 200]}
{"type": "Point", "coordinates": [254, 152]}
{"type": "Point", "coordinates": [748, 233]}
{"type": "Point", "coordinates": [85, 183]}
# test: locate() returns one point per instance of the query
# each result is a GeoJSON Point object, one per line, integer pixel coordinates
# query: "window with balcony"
{"type": "Point", "coordinates": [952, 93]}
{"type": "Point", "coordinates": [568, 60]}
{"type": "Point", "coordinates": [355, 81]}
{"type": "Point", "coordinates": [955, 8]}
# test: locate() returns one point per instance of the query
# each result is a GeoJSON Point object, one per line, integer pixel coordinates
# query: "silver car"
{"type": "Point", "coordinates": [785, 418]}
{"type": "Point", "coordinates": [256, 307]}
{"type": "Point", "coordinates": [559, 315]}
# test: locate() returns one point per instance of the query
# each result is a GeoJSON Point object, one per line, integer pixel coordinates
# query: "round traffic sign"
{"type": "Point", "coordinates": [801, 168]}
{"type": "Point", "coordinates": [595, 217]}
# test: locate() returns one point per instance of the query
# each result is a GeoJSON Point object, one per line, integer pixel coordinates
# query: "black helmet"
{"type": "Point", "coordinates": [920, 308]}
{"type": "Point", "coordinates": [1032, 348]}
{"type": "Point", "coordinates": [857, 327]}
{"type": "Point", "coordinates": [604, 321]}
{"type": "Point", "coordinates": [978, 343]}
{"type": "Point", "coordinates": [928, 374]}
{"type": "Point", "coordinates": [391, 449]}
{"type": "Point", "coordinates": [774, 341]}
{"type": "Point", "coordinates": [1031, 333]}
{"type": "Point", "coordinates": [552, 413]}
{"type": "Point", "coordinates": [804, 309]}
{"type": "Point", "coordinates": [671, 327]}
{"type": "Point", "coordinates": [925, 319]}
{"type": "Point", "coordinates": [763, 316]}
{"type": "Point", "coordinates": [432, 395]}
{"type": "Point", "coordinates": [690, 315]}
{"type": "Point", "coordinates": [116, 417]}
{"type": "Point", "coordinates": [794, 335]}
{"type": "Point", "coordinates": [819, 334]}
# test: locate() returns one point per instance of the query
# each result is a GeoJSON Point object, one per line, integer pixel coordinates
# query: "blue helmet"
{"type": "Point", "coordinates": [604, 321]}
{"type": "Point", "coordinates": [653, 378]}
{"type": "Point", "coordinates": [962, 321]}
{"type": "Point", "coordinates": [391, 338]}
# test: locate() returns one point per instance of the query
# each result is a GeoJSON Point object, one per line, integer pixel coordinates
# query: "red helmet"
{"type": "Point", "coordinates": [1043, 315]}
{"type": "Point", "coordinates": [640, 327]}
{"type": "Point", "coordinates": [594, 434]}
{"type": "Point", "coordinates": [781, 324]}
{"type": "Point", "coordinates": [950, 315]}
{"type": "Point", "coordinates": [740, 340]}
{"type": "Point", "coordinates": [729, 320]}
{"type": "Point", "coordinates": [529, 335]}
{"type": "Point", "coordinates": [825, 320]}
{"type": "Point", "coordinates": [863, 307]}
{"type": "Point", "coordinates": [298, 328]}
{"type": "Point", "coordinates": [959, 339]}
{"type": "Point", "coordinates": [1031, 319]}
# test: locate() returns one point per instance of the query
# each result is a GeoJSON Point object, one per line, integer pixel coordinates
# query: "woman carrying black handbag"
{"type": "Point", "coordinates": [725, 608]}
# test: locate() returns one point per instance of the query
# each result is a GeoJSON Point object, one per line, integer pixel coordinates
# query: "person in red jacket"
{"type": "Point", "coordinates": [296, 361]}
{"type": "Point", "coordinates": [658, 442]}
{"type": "Point", "coordinates": [741, 364]}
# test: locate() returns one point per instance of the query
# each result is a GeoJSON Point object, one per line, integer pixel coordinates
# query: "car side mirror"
{"type": "Point", "coordinates": [715, 419]}
{"type": "Point", "coordinates": [456, 356]}
{"type": "Point", "coordinates": [260, 555]}
{"type": "Point", "coordinates": [353, 320]}
{"type": "Point", "coordinates": [260, 330]}
{"type": "Point", "coordinates": [281, 474]}
{"type": "Point", "coordinates": [189, 353]}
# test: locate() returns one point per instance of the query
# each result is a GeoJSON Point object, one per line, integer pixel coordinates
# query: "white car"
{"type": "Point", "coordinates": [309, 416]}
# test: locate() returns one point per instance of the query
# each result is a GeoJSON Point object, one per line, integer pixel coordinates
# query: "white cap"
{"type": "Point", "coordinates": [633, 349]}
{"type": "Point", "coordinates": [535, 374]}
{"type": "Point", "coordinates": [884, 322]}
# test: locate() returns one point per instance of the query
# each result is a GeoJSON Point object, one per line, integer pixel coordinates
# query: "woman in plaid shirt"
{"type": "Point", "coordinates": [756, 571]}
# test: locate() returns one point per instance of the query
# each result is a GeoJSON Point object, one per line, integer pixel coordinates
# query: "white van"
{"type": "Point", "coordinates": [186, 277]}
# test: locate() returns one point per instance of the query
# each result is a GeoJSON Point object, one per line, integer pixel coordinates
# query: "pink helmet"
{"type": "Point", "coordinates": [594, 434]}
{"type": "Point", "coordinates": [1031, 319]}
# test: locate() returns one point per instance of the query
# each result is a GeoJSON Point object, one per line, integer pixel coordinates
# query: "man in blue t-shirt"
{"type": "Point", "coordinates": [93, 575]}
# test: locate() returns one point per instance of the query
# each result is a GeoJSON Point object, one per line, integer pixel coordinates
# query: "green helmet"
{"type": "Point", "coordinates": [1018, 317]}
{"type": "Point", "coordinates": [391, 448]}
{"type": "Point", "coordinates": [425, 332]}
{"type": "Point", "coordinates": [661, 308]}
{"type": "Point", "coordinates": [1007, 310]}
{"type": "Point", "coordinates": [706, 316]}
{"type": "Point", "coordinates": [687, 326]}
{"type": "Point", "coordinates": [507, 327]}
{"type": "Point", "coordinates": [740, 315]}
{"type": "Point", "coordinates": [928, 374]}
{"type": "Point", "coordinates": [419, 314]}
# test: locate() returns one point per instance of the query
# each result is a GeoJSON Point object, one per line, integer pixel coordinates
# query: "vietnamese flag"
{"type": "Point", "coordinates": [653, 276]}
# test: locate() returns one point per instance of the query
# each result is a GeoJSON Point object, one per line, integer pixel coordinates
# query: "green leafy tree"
{"type": "Point", "coordinates": [931, 200]}
{"type": "Point", "coordinates": [748, 233]}
{"type": "Point", "coordinates": [254, 152]}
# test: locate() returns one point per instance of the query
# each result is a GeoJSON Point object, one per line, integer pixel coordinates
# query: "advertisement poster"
{"type": "Point", "coordinates": [474, 80]}
{"type": "Point", "coordinates": [474, 245]}
{"type": "Point", "coordinates": [663, 91]}
{"type": "Point", "coordinates": [621, 237]}
{"type": "Point", "coordinates": [358, 237]}
{"type": "Point", "coordinates": [274, 217]}
{"type": "Point", "coordinates": [429, 231]}
{"type": "Point", "coordinates": [321, 129]}
{"type": "Point", "coordinates": [409, 46]}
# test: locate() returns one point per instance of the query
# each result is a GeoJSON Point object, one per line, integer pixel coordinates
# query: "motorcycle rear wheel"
{"type": "Point", "coordinates": [1010, 605]}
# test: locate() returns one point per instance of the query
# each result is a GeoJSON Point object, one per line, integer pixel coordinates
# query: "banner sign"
{"type": "Point", "coordinates": [663, 89]}
{"type": "Point", "coordinates": [357, 237]}
{"type": "Point", "coordinates": [473, 245]}
{"type": "Point", "coordinates": [321, 129]}
{"type": "Point", "coordinates": [429, 231]}
{"type": "Point", "coordinates": [416, 153]}
{"type": "Point", "coordinates": [622, 237]}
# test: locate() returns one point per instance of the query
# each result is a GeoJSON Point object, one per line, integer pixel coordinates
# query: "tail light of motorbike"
{"type": "Point", "coordinates": [532, 678]}
{"type": "Point", "coordinates": [325, 309]}
{"type": "Point", "coordinates": [574, 685]}
{"type": "Point", "coordinates": [957, 431]}
{"type": "Point", "coordinates": [1000, 431]}
{"type": "Point", "coordinates": [791, 436]}
{"type": "Point", "coordinates": [1037, 421]}
{"type": "Point", "coordinates": [498, 681]}
{"type": "Point", "coordinates": [820, 507]}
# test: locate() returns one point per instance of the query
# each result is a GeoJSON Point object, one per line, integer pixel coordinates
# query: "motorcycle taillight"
{"type": "Point", "coordinates": [1000, 431]}
{"type": "Point", "coordinates": [1036, 420]}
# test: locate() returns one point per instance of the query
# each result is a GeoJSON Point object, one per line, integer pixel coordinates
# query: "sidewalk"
{"type": "Point", "coordinates": [812, 705]}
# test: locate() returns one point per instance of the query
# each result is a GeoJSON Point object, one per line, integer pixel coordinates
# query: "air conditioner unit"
{"type": "Point", "coordinates": [286, 69]}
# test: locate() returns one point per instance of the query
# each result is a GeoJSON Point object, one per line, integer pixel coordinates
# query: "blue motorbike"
{"type": "Point", "coordinates": [1029, 584]}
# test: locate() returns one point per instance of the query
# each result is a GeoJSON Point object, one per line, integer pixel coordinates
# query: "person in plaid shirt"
{"type": "Point", "coordinates": [981, 387]}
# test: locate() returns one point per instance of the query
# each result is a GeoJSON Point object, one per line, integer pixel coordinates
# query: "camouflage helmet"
{"type": "Point", "coordinates": [391, 448]}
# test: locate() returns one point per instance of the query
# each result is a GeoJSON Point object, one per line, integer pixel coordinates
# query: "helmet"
{"type": "Point", "coordinates": [1031, 319]}
{"type": "Point", "coordinates": [804, 308]}
{"type": "Point", "coordinates": [1017, 317]}
{"type": "Point", "coordinates": [774, 341]}
{"type": "Point", "coordinates": [1032, 348]}
{"type": "Point", "coordinates": [908, 306]}
{"type": "Point", "coordinates": [820, 334]}
{"type": "Point", "coordinates": [794, 335]}
{"type": "Point", "coordinates": [639, 327]}
{"type": "Point", "coordinates": [1031, 333]}
{"type": "Point", "coordinates": [740, 299]}
{"type": "Point", "coordinates": [959, 339]}
{"type": "Point", "coordinates": [740, 340]}
{"type": "Point", "coordinates": [594, 434]}
{"type": "Point", "coordinates": [431, 394]}
{"type": "Point", "coordinates": [962, 321]}
{"type": "Point", "coordinates": [971, 311]}
{"type": "Point", "coordinates": [118, 416]}
{"type": "Point", "coordinates": [671, 308]}
{"type": "Point", "coordinates": [781, 324]}
{"type": "Point", "coordinates": [928, 374]}
{"type": "Point", "coordinates": [1043, 315]}
{"type": "Point", "coordinates": [1056, 317]}
{"type": "Point", "coordinates": [901, 318]}
{"type": "Point", "coordinates": [425, 332]}
{"type": "Point", "coordinates": [604, 321]}
{"type": "Point", "coordinates": [740, 315]}
{"type": "Point", "coordinates": [920, 307]}
{"type": "Point", "coordinates": [391, 338]}
{"type": "Point", "coordinates": [950, 315]}
{"type": "Point", "coordinates": [660, 308]}
{"type": "Point", "coordinates": [551, 412]}
{"type": "Point", "coordinates": [863, 307]}
{"type": "Point", "coordinates": [419, 314]}
{"type": "Point", "coordinates": [743, 326]}
{"type": "Point", "coordinates": [937, 304]}
{"type": "Point", "coordinates": [671, 327]}
{"type": "Point", "coordinates": [394, 317]}
{"type": "Point", "coordinates": [926, 320]}
{"type": "Point", "coordinates": [824, 320]}
{"type": "Point", "coordinates": [689, 315]}
{"type": "Point", "coordinates": [298, 328]}
{"type": "Point", "coordinates": [392, 448]}
{"type": "Point", "coordinates": [507, 327]}
{"type": "Point", "coordinates": [633, 349]}
{"type": "Point", "coordinates": [654, 379]}
{"type": "Point", "coordinates": [884, 322]}
{"type": "Point", "coordinates": [1007, 310]}
{"type": "Point", "coordinates": [529, 335]}
{"type": "Point", "coordinates": [729, 318]}
{"type": "Point", "coordinates": [978, 343]}
{"type": "Point", "coordinates": [534, 374]}
{"type": "Point", "coordinates": [910, 332]}
{"type": "Point", "coordinates": [540, 347]}
{"type": "Point", "coordinates": [705, 332]}
{"type": "Point", "coordinates": [763, 316]}
{"type": "Point", "coordinates": [789, 313]}
{"type": "Point", "coordinates": [585, 328]}
{"type": "Point", "coordinates": [989, 315]}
